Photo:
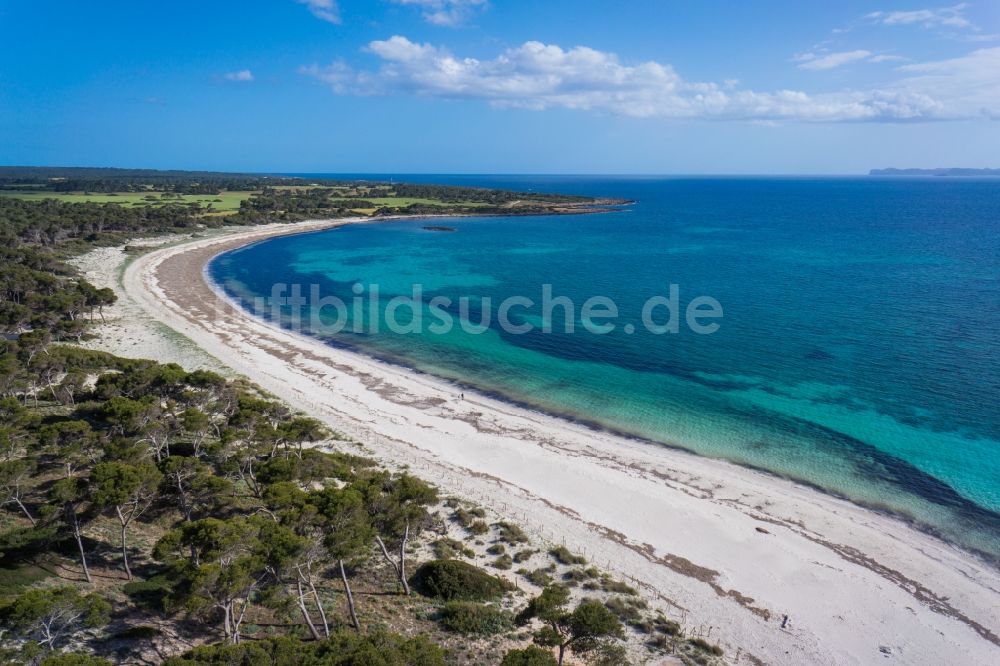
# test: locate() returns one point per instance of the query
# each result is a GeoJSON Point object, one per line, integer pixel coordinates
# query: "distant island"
{"type": "Point", "coordinates": [951, 171]}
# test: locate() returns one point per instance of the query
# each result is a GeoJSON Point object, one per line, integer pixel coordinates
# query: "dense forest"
{"type": "Point", "coordinates": [50, 223]}
{"type": "Point", "coordinates": [157, 515]}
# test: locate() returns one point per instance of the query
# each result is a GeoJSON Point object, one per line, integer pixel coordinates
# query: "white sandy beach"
{"type": "Point", "coordinates": [725, 550]}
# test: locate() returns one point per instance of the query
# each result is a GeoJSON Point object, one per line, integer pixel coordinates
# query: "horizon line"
{"type": "Point", "coordinates": [301, 173]}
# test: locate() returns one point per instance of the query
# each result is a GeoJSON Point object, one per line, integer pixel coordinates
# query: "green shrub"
{"type": "Point", "coordinates": [503, 562]}
{"type": "Point", "coordinates": [497, 549]}
{"type": "Point", "coordinates": [32, 613]}
{"type": "Point", "coordinates": [524, 555]}
{"type": "Point", "coordinates": [705, 646]}
{"type": "Point", "coordinates": [468, 516]}
{"type": "Point", "coordinates": [628, 610]}
{"type": "Point", "coordinates": [445, 549]}
{"type": "Point", "coordinates": [562, 555]}
{"type": "Point", "coordinates": [610, 654]}
{"type": "Point", "coordinates": [344, 648]}
{"type": "Point", "coordinates": [74, 659]}
{"type": "Point", "coordinates": [665, 626]}
{"type": "Point", "coordinates": [540, 577]}
{"type": "Point", "coordinates": [137, 632]}
{"type": "Point", "coordinates": [314, 465]}
{"type": "Point", "coordinates": [152, 593]}
{"type": "Point", "coordinates": [466, 617]}
{"type": "Point", "coordinates": [478, 527]}
{"type": "Point", "coordinates": [529, 656]}
{"type": "Point", "coordinates": [454, 580]}
{"type": "Point", "coordinates": [617, 586]}
{"type": "Point", "coordinates": [576, 576]}
{"type": "Point", "coordinates": [512, 533]}
{"type": "Point", "coordinates": [21, 543]}
{"type": "Point", "coordinates": [18, 577]}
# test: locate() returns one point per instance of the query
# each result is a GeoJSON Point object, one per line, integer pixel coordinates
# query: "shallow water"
{"type": "Point", "coordinates": [859, 349]}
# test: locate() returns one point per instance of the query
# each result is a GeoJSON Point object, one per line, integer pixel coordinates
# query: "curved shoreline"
{"type": "Point", "coordinates": [946, 495]}
{"type": "Point", "coordinates": [720, 541]}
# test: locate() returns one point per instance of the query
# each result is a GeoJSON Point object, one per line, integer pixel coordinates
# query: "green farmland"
{"type": "Point", "coordinates": [224, 202]}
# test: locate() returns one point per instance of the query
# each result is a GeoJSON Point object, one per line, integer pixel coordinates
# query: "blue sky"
{"type": "Point", "coordinates": [452, 86]}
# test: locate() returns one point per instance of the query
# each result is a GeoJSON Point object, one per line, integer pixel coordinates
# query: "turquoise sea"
{"type": "Point", "coordinates": [859, 350]}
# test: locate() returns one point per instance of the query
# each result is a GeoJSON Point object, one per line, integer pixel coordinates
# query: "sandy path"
{"type": "Point", "coordinates": [727, 551]}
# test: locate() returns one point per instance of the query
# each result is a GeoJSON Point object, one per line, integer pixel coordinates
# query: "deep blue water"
{"type": "Point", "coordinates": [859, 349]}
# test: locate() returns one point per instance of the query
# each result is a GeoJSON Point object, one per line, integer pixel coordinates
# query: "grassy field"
{"type": "Point", "coordinates": [224, 202]}
{"type": "Point", "coordinates": [221, 203]}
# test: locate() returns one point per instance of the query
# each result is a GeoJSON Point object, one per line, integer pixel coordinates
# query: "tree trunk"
{"type": "Point", "coordinates": [227, 611]}
{"type": "Point", "coordinates": [319, 605]}
{"type": "Point", "coordinates": [254, 487]}
{"type": "Point", "coordinates": [186, 507]}
{"type": "Point", "coordinates": [25, 509]}
{"type": "Point", "coordinates": [124, 523]}
{"type": "Point", "coordinates": [400, 578]}
{"type": "Point", "coordinates": [562, 652]}
{"type": "Point", "coordinates": [350, 597]}
{"type": "Point", "coordinates": [305, 611]}
{"type": "Point", "coordinates": [238, 621]}
{"type": "Point", "coordinates": [49, 638]}
{"type": "Point", "coordinates": [402, 559]}
{"type": "Point", "coordinates": [128, 570]}
{"type": "Point", "coordinates": [79, 544]}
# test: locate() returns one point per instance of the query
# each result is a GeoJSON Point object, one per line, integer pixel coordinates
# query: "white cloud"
{"type": "Point", "coordinates": [823, 61]}
{"type": "Point", "coordinates": [446, 12]}
{"type": "Point", "coordinates": [242, 76]}
{"type": "Point", "coordinates": [831, 60]}
{"type": "Point", "coordinates": [969, 84]}
{"type": "Point", "coordinates": [943, 17]}
{"type": "Point", "coordinates": [980, 37]}
{"type": "Point", "coordinates": [324, 10]}
{"type": "Point", "coordinates": [886, 57]}
{"type": "Point", "coordinates": [541, 76]}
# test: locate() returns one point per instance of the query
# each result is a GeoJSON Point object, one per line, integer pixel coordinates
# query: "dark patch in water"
{"type": "Point", "coordinates": [868, 460]}
{"type": "Point", "coordinates": [872, 462]}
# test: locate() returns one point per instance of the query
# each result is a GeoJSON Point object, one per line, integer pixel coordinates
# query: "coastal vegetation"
{"type": "Point", "coordinates": [148, 508]}
{"type": "Point", "coordinates": [124, 200]}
